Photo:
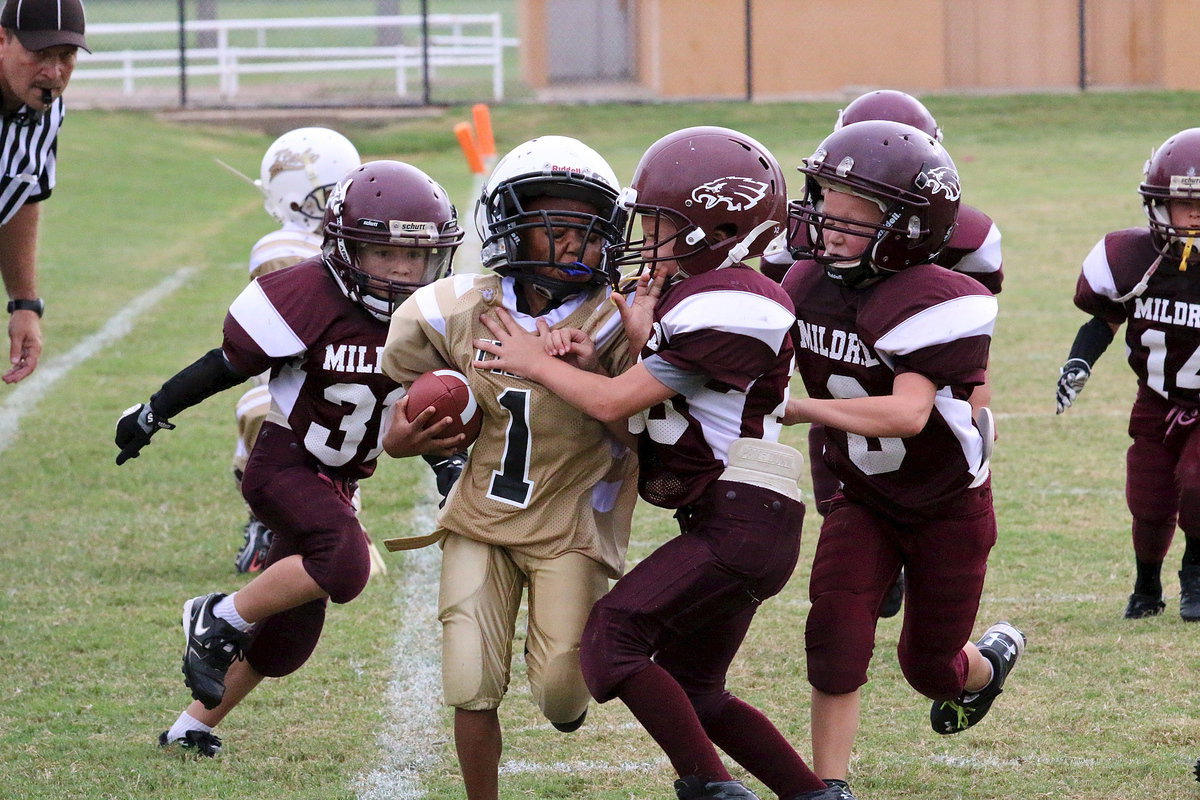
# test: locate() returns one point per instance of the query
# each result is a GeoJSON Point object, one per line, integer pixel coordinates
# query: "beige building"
{"type": "Point", "coordinates": [783, 49]}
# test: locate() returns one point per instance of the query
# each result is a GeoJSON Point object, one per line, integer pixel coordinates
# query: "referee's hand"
{"type": "Point", "coordinates": [24, 344]}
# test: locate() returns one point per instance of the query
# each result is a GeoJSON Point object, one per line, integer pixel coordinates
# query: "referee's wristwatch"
{"type": "Point", "coordinates": [36, 305]}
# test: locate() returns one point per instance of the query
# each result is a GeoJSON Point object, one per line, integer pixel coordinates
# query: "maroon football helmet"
{"type": "Point", "coordinates": [1172, 173]}
{"type": "Point", "coordinates": [389, 203]}
{"type": "Point", "coordinates": [721, 193]}
{"type": "Point", "coordinates": [891, 105]}
{"type": "Point", "coordinates": [906, 172]}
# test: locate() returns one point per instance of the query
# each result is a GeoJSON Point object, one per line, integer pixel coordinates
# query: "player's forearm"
{"type": "Point", "coordinates": [588, 392]}
{"type": "Point", "coordinates": [866, 416]}
{"type": "Point", "coordinates": [198, 381]}
{"type": "Point", "coordinates": [1092, 340]}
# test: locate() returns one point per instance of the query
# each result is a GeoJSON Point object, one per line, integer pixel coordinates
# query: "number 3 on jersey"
{"type": "Point", "coordinates": [510, 484]}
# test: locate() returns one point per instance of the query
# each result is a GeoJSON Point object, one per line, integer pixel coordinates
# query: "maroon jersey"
{"type": "Point", "coordinates": [853, 343]}
{"type": "Point", "coordinates": [719, 339]}
{"type": "Point", "coordinates": [323, 351]}
{"type": "Point", "coordinates": [974, 249]}
{"type": "Point", "coordinates": [1162, 336]}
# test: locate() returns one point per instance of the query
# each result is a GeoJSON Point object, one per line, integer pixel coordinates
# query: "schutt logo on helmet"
{"type": "Point", "coordinates": [736, 194]}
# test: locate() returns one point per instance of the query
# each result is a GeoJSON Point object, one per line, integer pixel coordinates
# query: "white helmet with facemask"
{"type": "Point", "coordinates": [299, 171]}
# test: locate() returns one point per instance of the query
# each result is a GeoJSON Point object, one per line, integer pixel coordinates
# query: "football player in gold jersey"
{"type": "Point", "coordinates": [546, 497]}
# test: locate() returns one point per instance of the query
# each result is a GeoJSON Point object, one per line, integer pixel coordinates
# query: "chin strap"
{"type": "Point", "coordinates": [742, 249]}
{"type": "Point", "coordinates": [1136, 291]}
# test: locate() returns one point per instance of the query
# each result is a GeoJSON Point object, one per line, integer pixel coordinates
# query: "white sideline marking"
{"type": "Point", "coordinates": [26, 395]}
{"type": "Point", "coordinates": [414, 694]}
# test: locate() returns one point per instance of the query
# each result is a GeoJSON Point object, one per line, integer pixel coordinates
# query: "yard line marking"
{"type": "Point", "coordinates": [29, 392]}
{"type": "Point", "coordinates": [413, 720]}
{"type": "Point", "coordinates": [522, 767]}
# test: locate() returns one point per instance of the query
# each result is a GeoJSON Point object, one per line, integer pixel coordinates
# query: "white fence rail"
{"type": "Point", "coordinates": [455, 40]}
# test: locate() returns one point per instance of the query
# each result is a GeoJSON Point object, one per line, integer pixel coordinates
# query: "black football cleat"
{"type": "Point", "coordinates": [834, 790]}
{"type": "Point", "coordinates": [1189, 594]}
{"type": "Point", "coordinates": [572, 726]}
{"type": "Point", "coordinates": [204, 744]}
{"type": "Point", "coordinates": [893, 599]}
{"type": "Point", "coordinates": [1141, 606]}
{"type": "Point", "coordinates": [211, 646]}
{"type": "Point", "coordinates": [1001, 644]}
{"type": "Point", "coordinates": [693, 788]}
{"type": "Point", "coordinates": [253, 555]}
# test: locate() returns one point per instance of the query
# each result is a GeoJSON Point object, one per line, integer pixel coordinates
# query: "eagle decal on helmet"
{"type": "Point", "coordinates": [736, 194]}
{"type": "Point", "coordinates": [940, 180]}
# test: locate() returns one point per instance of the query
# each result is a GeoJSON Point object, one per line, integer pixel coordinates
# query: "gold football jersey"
{"type": "Point", "coordinates": [543, 477]}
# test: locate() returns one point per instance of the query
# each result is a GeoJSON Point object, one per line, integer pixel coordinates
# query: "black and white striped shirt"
{"type": "Point", "coordinates": [28, 152]}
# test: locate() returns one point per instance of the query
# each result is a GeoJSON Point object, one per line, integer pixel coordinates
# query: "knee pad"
{"type": "Point", "coordinates": [345, 574]}
{"type": "Point", "coordinates": [285, 641]}
{"type": "Point", "coordinates": [559, 689]}
{"type": "Point", "coordinates": [839, 639]}
{"type": "Point", "coordinates": [607, 658]}
{"type": "Point", "coordinates": [938, 676]}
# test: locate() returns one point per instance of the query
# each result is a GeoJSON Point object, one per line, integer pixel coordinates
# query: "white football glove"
{"type": "Point", "coordinates": [1071, 379]}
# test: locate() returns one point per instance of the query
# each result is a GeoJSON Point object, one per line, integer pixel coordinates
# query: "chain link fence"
{"type": "Point", "coordinates": [296, 54]}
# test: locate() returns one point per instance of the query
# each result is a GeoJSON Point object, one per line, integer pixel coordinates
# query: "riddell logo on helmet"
{"type": "Point", "coordinates": [734, 193]}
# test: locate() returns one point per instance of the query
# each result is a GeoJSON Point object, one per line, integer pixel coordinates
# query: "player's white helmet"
{"type": "Point", "coordinates": [548, 166]}
{"type": "Point", "coordinates": [299, 171]}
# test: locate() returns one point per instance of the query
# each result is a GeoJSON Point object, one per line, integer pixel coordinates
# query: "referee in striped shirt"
{"type": "Point", "coordinates": [39, 40]}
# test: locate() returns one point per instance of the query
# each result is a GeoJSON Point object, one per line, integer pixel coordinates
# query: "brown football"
{"type": "Point", "coordinates": [448, 392]}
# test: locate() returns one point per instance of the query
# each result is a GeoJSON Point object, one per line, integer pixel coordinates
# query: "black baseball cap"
{"type": "Point", "coordinates": [39, 24]}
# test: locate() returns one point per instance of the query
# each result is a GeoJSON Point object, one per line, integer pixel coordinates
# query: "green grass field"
{"type": "Point", "coordinates": [96, 560]}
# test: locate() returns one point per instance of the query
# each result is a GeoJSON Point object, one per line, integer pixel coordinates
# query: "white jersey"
{"type": "Point", "coordinates": [282, 248]}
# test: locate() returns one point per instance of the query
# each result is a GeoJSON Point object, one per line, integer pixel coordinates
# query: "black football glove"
{"type": "Point", "coordinates": [446, 473]}
{"type": "Point", "coordinates": [1071, 380]}
{"type": "Point", "coordinates": [134, 429]}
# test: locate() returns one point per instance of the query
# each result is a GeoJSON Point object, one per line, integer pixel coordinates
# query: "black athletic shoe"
{"type": "Point", "coordinates": [893, 599]}
{"type": "Point", "coordinates": [834, 790]}
{"type": "Point", "coordinates": [1002, 645]}
{"type": "Point", "coordinates": [1189, 594]}
{"type": "Point", "coordinates": [1141, 606]}
{"type": "Point", "coordinates": [253, 555]}
{"type": "Point", "coordinates": [211, 646]}
{"type": "Point", "coordinates": [572, 726]}
{"type": "Point", "coordinates": [204, 744]}
{"type": "Point", "coordinates": [692, 788]}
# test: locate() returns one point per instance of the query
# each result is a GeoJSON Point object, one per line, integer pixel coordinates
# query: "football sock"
{"type": "Point", "coordinates": [227, 611]}
{"type": "Point", "coordinates": [185, 723]}
{"type": "Point", "coordinates": [1191, 552]}
{"type": "Point", "coordinates": [1149, 578]}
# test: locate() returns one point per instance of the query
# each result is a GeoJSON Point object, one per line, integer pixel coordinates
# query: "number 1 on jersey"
{"type": "Point", "coordinates": [511, 484]}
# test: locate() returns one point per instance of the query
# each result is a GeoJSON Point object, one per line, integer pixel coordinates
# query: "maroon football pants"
{"type": "Point", "coordinates": [1162, 475]}
{"type": "Point", "coordinates": [310, 516]}
{"type": "Point", "coordinates": [858, 557]}
{"type": "Point", "coordinates": [663, 638]}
